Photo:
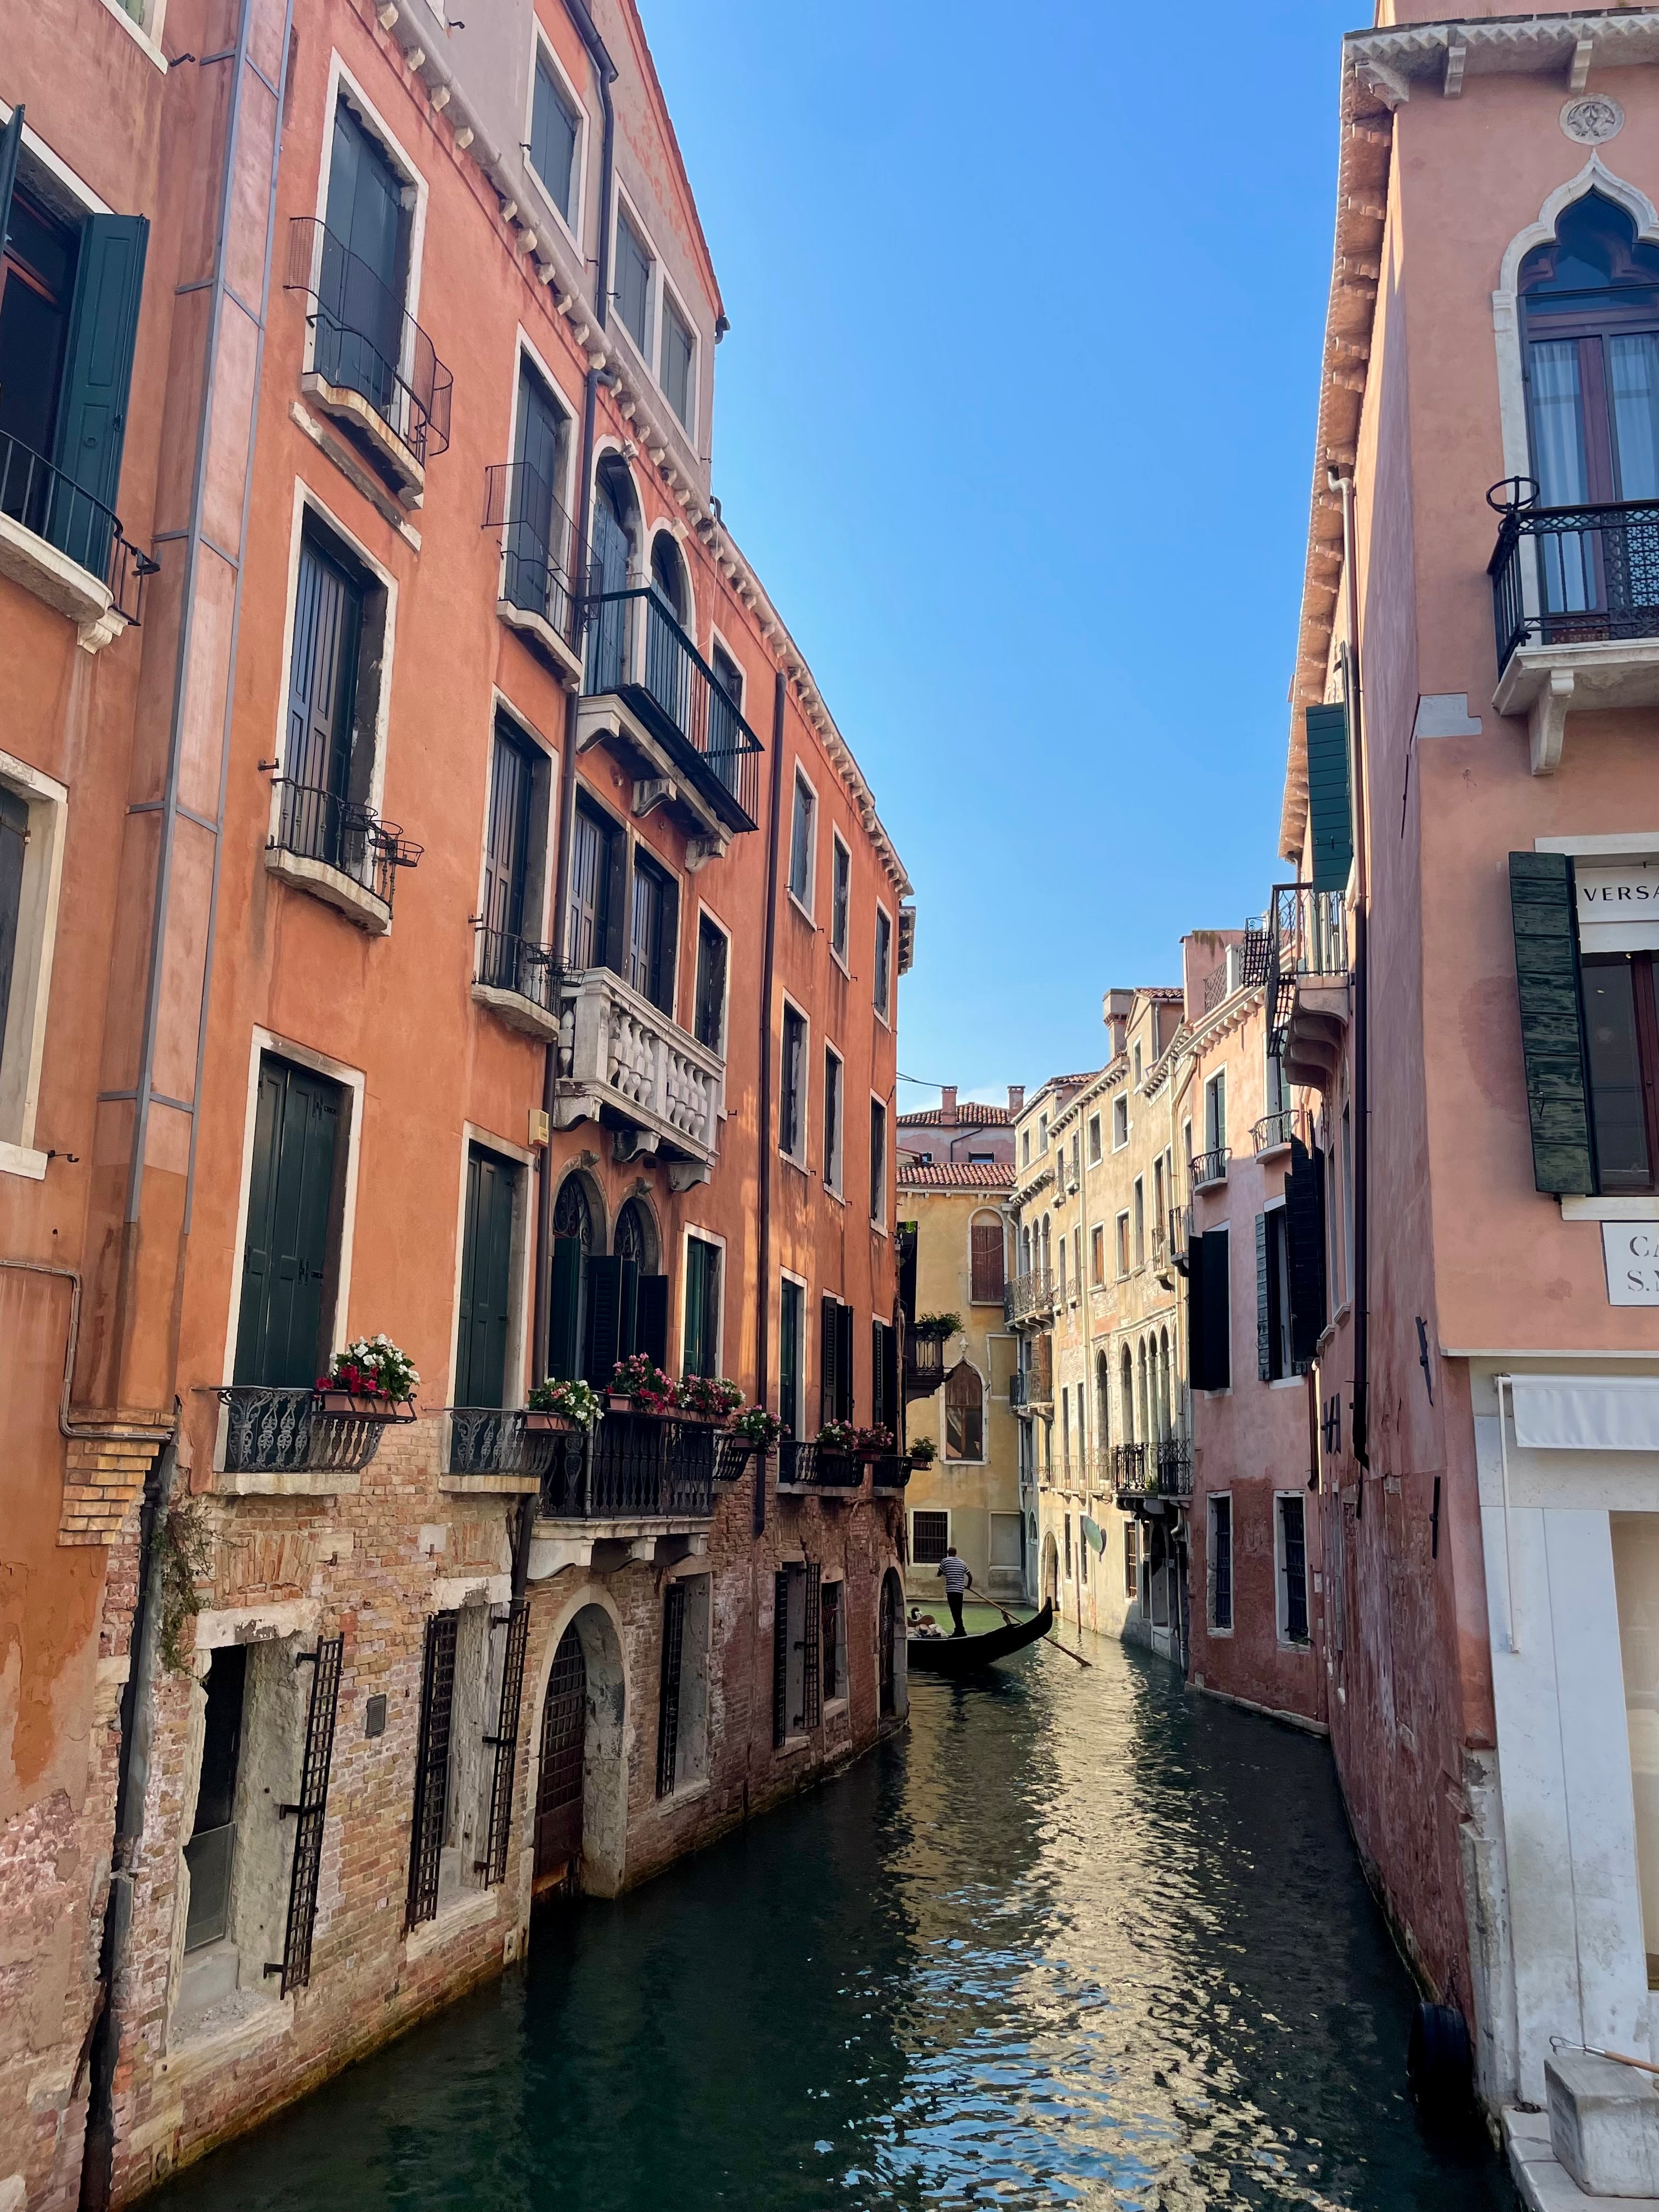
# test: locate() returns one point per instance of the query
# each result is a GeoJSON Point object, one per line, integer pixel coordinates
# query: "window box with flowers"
{"type": "Point", "coordinates": [562, 1409]}
{"type": "Point", "coordinates": [873, 1444]}
{"type": "Point", "coordinates": [710, 1397]}
{"type": "Point", "coordinates": [639, 1386]}
{"type": "Point", "coordinates": [370, 1381]}
{"type": "Point", "coordinates": [753, 1431]}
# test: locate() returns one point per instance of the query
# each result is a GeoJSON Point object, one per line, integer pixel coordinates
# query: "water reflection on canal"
{"type": "Point", "coordinates": [1082, 1939]}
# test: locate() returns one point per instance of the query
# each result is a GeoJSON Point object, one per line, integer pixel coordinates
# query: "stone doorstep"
{"type": "Point", "coordinates": [1544, 2183]}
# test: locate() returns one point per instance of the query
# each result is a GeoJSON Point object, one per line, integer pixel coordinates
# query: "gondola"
{"type": "Point", "coordinates": [964, 1654]}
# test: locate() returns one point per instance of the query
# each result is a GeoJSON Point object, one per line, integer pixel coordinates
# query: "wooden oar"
{"type": "Point", "coordinates": [1050, 1638]}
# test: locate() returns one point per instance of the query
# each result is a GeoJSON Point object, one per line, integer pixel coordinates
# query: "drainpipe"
{"type": "Point", "coordinates": [137, 1730]}
{"type": "Point", "coordinates": [763, 1301]}
{"type": "Point", "coordinates": [1360, 1417]}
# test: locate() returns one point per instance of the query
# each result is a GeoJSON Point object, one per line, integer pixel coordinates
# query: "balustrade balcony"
{"type": "Point", "coordinates": [1308, 982]}
{"type": "Point", "coordinates": [649, 694]}
{"type": "Point", "coordinates": [624, 1062]}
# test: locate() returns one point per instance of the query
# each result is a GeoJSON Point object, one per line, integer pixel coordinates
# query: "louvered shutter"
{"type": "Point", "coordinates": [844, 1402]}
{"type": "Point", "coordinates": [1264, 1361]}
{"type": "Point", "coordinates": [651, 1318]}
{"type": "Point", "coordinates": [1304, 1241]}
{"type": "Point", "coordinates": [695, 1294]}
{"type": "Point", "coordinates": [1197, 1373]}
{"type": "Point", "coordinates": [1541, 906]}
{"type": "Point", "coordinates": [563, 1350]}
{"type": "Point", "coordinates": [92, 414]}
{"type": "Point", "coordinates": [986, 1250]}
{"type": "Point", "coordinates": [1330, 810]}
{"type": "Point", "coordinates": [811, 1650]}
{"type": "Point", "coordinates": [11, 142]}
{"type": "Point", "coordinates": [829, 1347]}
{"type": "Point", "coordinates": [603, 1316]}
{"type": "Point", "coordinates": [1217, 1309]}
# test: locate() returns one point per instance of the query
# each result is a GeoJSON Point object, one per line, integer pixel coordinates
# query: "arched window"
{"type": "Point", "coordinates": [1590, 309]}
{"type": "Point", "coordinates": [985, 1255]}
{"type": "Point", "coordinates": [637, 1236]}
{"type": "Point", "coordinates": [615, 536]}
{"type": "Point", "coordinates": [1127, 1388]}
{"type": "Point", "coordinates": [1046, 1248]}
{"type": "Point", "coordinates": [1141, 1404]}
{"type": "Point", "coordinates": [964, 1413]}
{"type": "Point", "coordinates": [572, 1241]}
{"type": "Point", "coordinates": [1102, 1401]}
{"type": "Point", "coordinates": [668, 575]}
{"type": "Point", "coordinates": [1165, 1394]}
{"type": "Point", "coordinates": [1025, 1250]}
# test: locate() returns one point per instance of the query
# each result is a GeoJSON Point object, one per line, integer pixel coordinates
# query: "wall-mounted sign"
{"type": "Point", "coordinates": [1631, 1251]}
{"type": "Point", "coordinates": [1618, 905]}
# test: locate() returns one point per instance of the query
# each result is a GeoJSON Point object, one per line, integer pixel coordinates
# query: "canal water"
{"type": "Point", "coordinates": [1079, 1939]}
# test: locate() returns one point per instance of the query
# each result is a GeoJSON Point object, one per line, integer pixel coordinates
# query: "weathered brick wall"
{"type": "Point", "coordinates": [371, 1567]}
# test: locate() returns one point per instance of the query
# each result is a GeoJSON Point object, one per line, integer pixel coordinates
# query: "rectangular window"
{"type": "Point", "coordinates": [1122, 1244]}
{"type": "Point", "coordinates": [801, 842]}
{"type": "Point", "coordinates": [596, 848]}
{"type": "Point", "coordinates": [1065, 1429]}
{"type": "Point", "coordinates": [883, 1375]}
{"type": "Point", "coordinates": [930, 1537]}
{"type": "Point", "coordinates": [841, 896]}
{"type": "Point", "coordinates": [555, 135]}
{"type": "Point", "coordinates": [877, 1160]}
{"type": "Point", "coordinates": [835, 1642]}
{"type": "Point", "coordinates": [1131, 1561]}
{"type": "Point", "coordinates": [702, 1308]}
{"type": "Point", "coordinates": [835, 1360]}
{"type": "Point", "coordinates": [668, 1697]}
{"type": "Point", "coordinates": [1026, 1148]}
{"type": "Point", "coordinates": [1274, 1359]}
{"type": "Point", "coordinates": [1292, 1568]}
{"type": "Point", "coordinates": [881, 990]}
{"type": "Point", "coordinates": [633, 281]}
{"type": "Point", "coordinates": [1097, 1253]}
{"type": "Point", "coordinates": [1215, 1114]}
{"type": "Point", "coordinates": [482, 1341]}
{"type": "Point", "coordinates": [1160, 1188]}
{"type": "Point", "coordinates": [537, 572]}
{"type": "Point", "coordinates": [708, 1019]}
{"type": "Point", "coordinates": [290, 1255]}
{"type": "Point", "coordinates": [1077, 1262]}
{"type": "Point", "coordinates": [1140, 1221]}
{"type": "Point", "coordinates": [1221, 1563]}
{"type": "Point", "coordinates": [986, 1263]}
{"type": "Point", "coordinates": [1077, 1157]}
{"type": "Point", "coordinates": [1094, 1139]}
{"type": "Point", "coordinates": [1120, 1122]}
{"type": "Point", "coordinates": [1068, 1518]}
{"type": "Point", "coordinates": [323, 763]}
{"type": "Point", "coordinates": [502, 961]}
{"type": "Point", "coordinates": [652, 931]}
{"type": "Point", "coordinates": [1621, 1027]}
{"type": "Point", "coordinates": [832, 1090]}
{"type": "Point", "coordinates": [1062, 1270]}
{"type": "Point", "coordinates": [678, 348]}
{"type": "Point", "coordinates": [791, 1088]}
{"type": "Point", "coordinates": [791, 1316]}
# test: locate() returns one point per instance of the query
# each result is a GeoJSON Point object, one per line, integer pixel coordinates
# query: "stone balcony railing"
{"type": "Point", "coordinates": [625, 1063]}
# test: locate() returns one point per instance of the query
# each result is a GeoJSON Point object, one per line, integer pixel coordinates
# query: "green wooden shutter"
{"type": "Point", "coordinates": [486, 1282]}
{"type": "Point", "coordinates": [830, 1344]}
{"type": "Point", "coordinates": [1195, 1370]}
{"type": "Point", "coordinates": [603, 1316]}
{"type": "Point", "coordinates": [1541, 906]}
{"type": "Point", "coordinates": [691, 1349]}
{"type": "Point", "coordinates": [1264, 1360]}
{"type": "Point", "coordinates": [1217, 1309]}
{"type": "Point", "coordinates": [1304, 1246]}
{"type": "Point", "coordinates": [564, 1347]}
{"type": "Point", "coordinates": [285, 1255]}
{"type": "Point", "coordinates": [844, 1368]}
{"type": "Point", "coordinates": [103, 328]}
{"type": "Point", "coordinates": [1330, 806]}
{"type": "Point", "coordinates": [628, 1330]}
{"type": "Point", "coordinates": [11, 140]}
{"type": "Point", "coordinates": [650, 1319]}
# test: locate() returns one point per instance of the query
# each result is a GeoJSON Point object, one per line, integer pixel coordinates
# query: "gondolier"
{"type": "Point", "coordinates": [956, 1578]}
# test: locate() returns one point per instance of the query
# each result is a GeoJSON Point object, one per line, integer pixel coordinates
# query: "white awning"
{"type": "Point", "coordinates": [1565, 1412]}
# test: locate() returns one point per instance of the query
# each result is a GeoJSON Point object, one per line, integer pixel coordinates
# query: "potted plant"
{"type": "Point", "coordinates": [873, 1444]}
{"type": "Point", "coordinates": [923, 1452]}
{"type": "Point", "coordinates": [371, 1380]}
{"type": "Point", "coordinates": [638, 1385]}
{"type": "Point", "coordinates": [838, 1438]}
{"type": "Point", "coordinates": [707, 1397]}
{"type": "Point", "coordinates": [757, 1426]}
{"type": "Point", "coordinates": [939, 1325]}
{"type": "Point", "coordinates": [563, 1406]}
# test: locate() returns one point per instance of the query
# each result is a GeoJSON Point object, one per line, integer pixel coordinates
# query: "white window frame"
{"type": "Point", "coordinates": [341, 81]}
{"type": "Point", "coordinates": [802, 1159]}
{"type": "Point", "coordinates": [500, 705]}
{"type": "Point", "coordinates": [836, 1186]}
{"type": "Point", "coordinates": [1120, 1120]}
{"type": "Point", "coordinates": [565, 490]}
{"type": "Point", "coordinates": [306, 502]}
{"type": "Point", "coordinates": [793, 1417]}
{"type": "Point", "coordinates": [668, 294]}
{"type": "Point", "coordinates": [837, 1700]}
{"type": "Point", "coordinates": [884, 1017]}
{"type": "Point", "coordinates": [541, 48]}
{"type": "Point", "coordinates": [22, 1048]}
{"type": "Point", "coordinates": [717, 637]}
{"type": "Point", "coordinates": [515, 1382]}
{"type": "Point", "coordinates": [1211, 1627]}
{"type": "Point", "coordinates": [878, 1218]}
{"type": "Point", "coordinates": [1120, 1243]}
{"type": "Point", "coordinates": [623, 203]}
{"type": "Point", "coordinates": [1215, 1110]}
{"type": "Point", "coordinates": [706, 911]}
{"type": "Point", "coordinates": [694, 1230]}
{"type": "Point", "coordinates": [804, 904]}
{"type": "Point", "coordinates": [1281, 1595]}
{"type": "Point", "coordinates": [1096, 1146]}
{"type": "Point", "coordinates": [950, 1537]}
{"type": "Point", "coordinates": [354, 1082]}
{"type": "Point", "coordinates": [841, 953]}
{"type": "Point", "coordinates": [666, 529]}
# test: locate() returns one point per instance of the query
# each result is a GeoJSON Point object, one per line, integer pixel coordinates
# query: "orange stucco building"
{"type": "Point", "coordinates": [436, 902]}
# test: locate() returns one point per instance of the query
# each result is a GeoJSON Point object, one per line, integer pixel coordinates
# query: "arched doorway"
{"type": "Point", "coordinates": [559, 1775]}
{"type": "Point", "coordinates": [890, 1652]}
{"type": "Point", "coordinates": [1051, 1571]}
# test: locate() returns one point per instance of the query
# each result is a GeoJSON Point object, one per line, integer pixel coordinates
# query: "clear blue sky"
{"type": "Point", "coordinates": [1015, 418]}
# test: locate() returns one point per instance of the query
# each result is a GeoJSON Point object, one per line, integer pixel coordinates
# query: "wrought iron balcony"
{"type": "Point", "coordinates": [372, 366]}
{"type": "Point", "coordinates": [1308, 982]}
{"type": "Point", "coordinates": [344, 852]}
{"type": "Point", "coordinates": [1208, 1169]}
{"type": "Point", "coordinates": [1274, 1132]}
{"type": "Point", "coordinates": [805, 1465]}
{"type": "Point", "coordinates": [691, 735]}
{"type": "Point", "coordinates": [488, 1440]}
{"type": "Point", "coordinates": [1029, 1297]}
{"type": "Point", "coordinates": [539, 592]}
{"type": "Point", "coordinates": [891, 1472]}
{"type": "Point", "coordinates": [924, 1363]}
{"type": "Point", "coordinates": [1160, 1470]}
{"type": "Point", "coordinates": [1180, 1228]}
{"type": "Point", "coordinates": [624, 1062]}
{"type": "Point", "coordinates": [518, 980]}
{"type": "Point", "coordinates": [281, 1430]}
{"type": "Point", "coordinates": [66, 547]}
{"type": "Point", "coordinates": [635, 1467]}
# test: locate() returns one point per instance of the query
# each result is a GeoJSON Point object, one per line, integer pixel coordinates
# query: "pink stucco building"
{"type": "Point", "coordinates": [1462, 983]}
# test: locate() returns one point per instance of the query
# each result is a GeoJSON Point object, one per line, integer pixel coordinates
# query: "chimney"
{"type": "Point", "coordinates": [1015, 1099]}
{"type": "Point", "coordinates": [947, 1102]}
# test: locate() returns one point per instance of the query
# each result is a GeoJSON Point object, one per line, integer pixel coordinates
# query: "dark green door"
{"type": "Point", "coordinates": [486, 1280]}
{"type": "Point", "coordinates": [790, 1302]}
{"type": "Point", "coordinates": [279, 1337]}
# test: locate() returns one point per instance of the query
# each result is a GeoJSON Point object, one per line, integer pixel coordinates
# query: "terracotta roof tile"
{"type": "Point", "coordinates": [960, 1174]}
{"type": "Point", "coordinates": [970, 1113]}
